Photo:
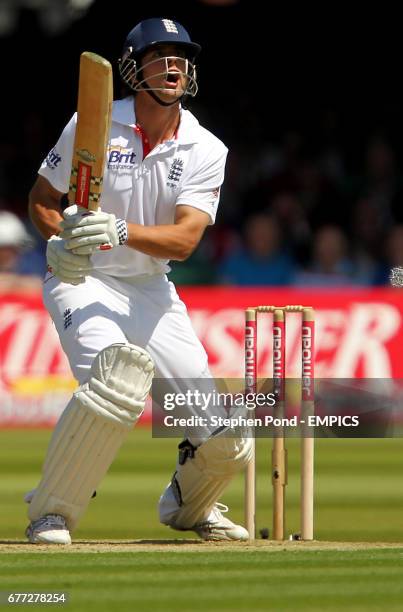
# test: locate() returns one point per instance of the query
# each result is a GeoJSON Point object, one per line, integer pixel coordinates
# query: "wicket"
{"type": "Point", "coordinates": [279, 452]}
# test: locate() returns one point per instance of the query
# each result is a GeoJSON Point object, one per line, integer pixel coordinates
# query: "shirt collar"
{"type": "Point", "coordinates": [189, 128]}
{"type": "Point", "coordinates": [123, 112]}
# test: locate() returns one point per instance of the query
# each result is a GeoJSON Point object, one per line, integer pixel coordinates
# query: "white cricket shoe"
{"type": "Point", "coordinates": [49, 529]}
{"type": "Point", "coordinates": [216, 527]}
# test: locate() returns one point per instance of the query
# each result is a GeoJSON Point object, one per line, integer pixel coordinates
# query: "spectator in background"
{"type": "Point", "coordinates": [393, 254]}
{"type": "Point", "coordinates": [330, 264]}
{"type": "Point", "coordinates": [25, 256]}
{"type": "Point", "coordinates": [329, 139]}
{"type": "Point", "coordinates": [367, 240]}
{"type": "Point", "coordinates": [262, 259]}
{"type": "Point", "coordinates": [15, 244]}
{"type": "Point", "coordinates": [272, 172]}
{"type": "Point", "coordinates": [14, 240]}
{"type": "Point", "coordinates": [379, 182]}
{"type": "Point", "coordinates": [290, 214]}
{"type": "Point", "coordinates": [320, 196]}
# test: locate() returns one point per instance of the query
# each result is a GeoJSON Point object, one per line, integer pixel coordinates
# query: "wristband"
{"type": "Point", "coordinates": [121, 227]}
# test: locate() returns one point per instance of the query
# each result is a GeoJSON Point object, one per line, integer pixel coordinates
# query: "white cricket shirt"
{"type": "Point", "coordinates": [188, 169]}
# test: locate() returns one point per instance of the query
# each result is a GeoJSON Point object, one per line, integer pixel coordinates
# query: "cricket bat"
{"type": "Point", "coordinates": [94, 109]}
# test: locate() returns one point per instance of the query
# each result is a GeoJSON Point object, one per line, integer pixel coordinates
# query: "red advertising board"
{"type": "Point", "coordinates": [359, 333]}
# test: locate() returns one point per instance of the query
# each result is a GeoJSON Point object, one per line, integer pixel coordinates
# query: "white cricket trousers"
{"type": "Point", "coordinates": [104, 310]}
{"type": "Point", "coordinates": [148, 313]}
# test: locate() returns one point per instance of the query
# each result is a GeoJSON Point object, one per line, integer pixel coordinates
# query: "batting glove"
{"type": "Point", "coordinates": [86, 231]}
{"type": "Point", "coordinates": [67, 266]}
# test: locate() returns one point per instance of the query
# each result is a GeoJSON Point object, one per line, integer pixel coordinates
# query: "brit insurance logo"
{"type": "Point", "coordinates": [120, 157]}
{"type": "Point", "coordinates": [175, 172]}
{"type": "Point", "coordinates": [53, 159]}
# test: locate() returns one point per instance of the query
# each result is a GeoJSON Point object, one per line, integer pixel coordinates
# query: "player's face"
{"type": "Point", "coordinates": [8, 258]}
{"type": "Point", "coordinates": [165, 70]}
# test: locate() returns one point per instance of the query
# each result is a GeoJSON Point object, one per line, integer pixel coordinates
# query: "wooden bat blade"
{"type": "Point", "coordinates": [94, 109]}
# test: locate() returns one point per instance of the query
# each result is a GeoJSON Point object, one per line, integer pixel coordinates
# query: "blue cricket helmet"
{"type": "Point", "coordinates": [143, 37]}
{"type": "Point", "coordinates": [156, 31]}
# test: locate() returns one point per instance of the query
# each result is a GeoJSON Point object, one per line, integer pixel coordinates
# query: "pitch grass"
{"type": "Point", "coordinates": [215, 580]}
{"type": "Point", "coordinates": [358, 488]}
{"type": "Point", "coordinates": [359, 498]}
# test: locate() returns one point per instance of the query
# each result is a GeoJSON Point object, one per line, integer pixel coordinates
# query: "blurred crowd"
{"type": "Point", "coordinates": [291, 217]}
{"type": "Point", "coordinates": [314, 181]}
{"type": "Point", "coordinates": [288, 215]}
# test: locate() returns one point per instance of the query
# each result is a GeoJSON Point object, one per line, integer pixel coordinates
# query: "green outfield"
{"type": "Point", "coordinates": [358, 499]}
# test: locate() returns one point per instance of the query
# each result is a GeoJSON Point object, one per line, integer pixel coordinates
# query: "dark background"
{"type": "Point", "coordinates": [266, 70]}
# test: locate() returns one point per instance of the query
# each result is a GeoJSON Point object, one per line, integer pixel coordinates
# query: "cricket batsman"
{"type": "Point", "coordinates": [119, 318]}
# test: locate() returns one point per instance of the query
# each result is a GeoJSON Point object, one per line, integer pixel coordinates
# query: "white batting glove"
{"type": "Point", "coordinates": [86, 231]}
{"type": "Point", "coordinates": [67, 266]}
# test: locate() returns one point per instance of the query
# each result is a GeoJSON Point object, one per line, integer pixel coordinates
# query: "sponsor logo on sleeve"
{"type": "Point", "coordinates": [215, 193]}
{"type": "Point", "coordinates": [53, 159]}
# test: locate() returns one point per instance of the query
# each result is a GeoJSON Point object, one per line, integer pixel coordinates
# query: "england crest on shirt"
{"type": "Point", "coordinates": [175, 172]}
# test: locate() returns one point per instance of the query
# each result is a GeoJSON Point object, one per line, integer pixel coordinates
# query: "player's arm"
{"type": "Point", "coordinates": [176, 241]}
{"type": "Point", "coordinates": [85, 233]}
{"type": "Point", "coordinates": [44, 207]}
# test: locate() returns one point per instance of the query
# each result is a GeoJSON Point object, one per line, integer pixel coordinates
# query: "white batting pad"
{"type": "Point", "coordinates": [91, 431]}
{"type": "Point", "coordinates": [199, 483]}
